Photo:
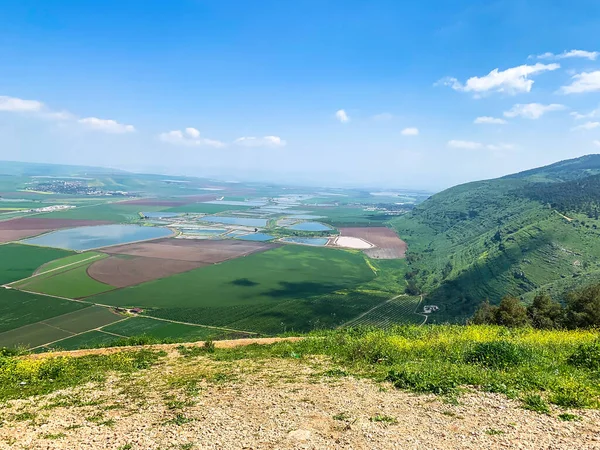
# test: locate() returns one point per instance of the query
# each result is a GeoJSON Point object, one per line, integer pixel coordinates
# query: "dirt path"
{"type": "Point", "coordinates": [166, 347]}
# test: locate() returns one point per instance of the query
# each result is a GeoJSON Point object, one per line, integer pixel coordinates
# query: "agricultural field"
{"type": "Point", "coordinates": [20, 261]}
{"type": "Point", "coordinates": [223, 294]}
{"type": "Point", "coordinates": [225, 270]}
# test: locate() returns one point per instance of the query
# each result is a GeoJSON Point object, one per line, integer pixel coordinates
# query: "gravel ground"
{"type": "Point", "coordinates": [197, 403]}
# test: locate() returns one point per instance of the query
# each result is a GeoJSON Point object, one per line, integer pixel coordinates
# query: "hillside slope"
{"type": "Point", "coordinates": [536, 230]}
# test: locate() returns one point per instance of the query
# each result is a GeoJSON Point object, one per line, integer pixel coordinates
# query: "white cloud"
{"type": "Point", "coordinates": [410, 131]}
{"type": "Point", "coordinates": [597, 143]}
{"type": "Point", "coordinates": [510, 81]}
{"type": "Point", "coordinates": [469, 145]}
{"type": "Point", "coordinates": [590, 115]}
{"type": "Point", "coordinates": [532, 110]}
{"type": "Point", "coordinates": [106, 125]}
{"type": "Point", "coordinates": [189, 137]}
{"type": "Point", "coordinates": [583, 82]}
{"type": "Point", "coordinates": [489, 120]}
{"type": "Point", "coordinates": [570, 54]}
{"type": "Point", "coordinates": [586, 126]}
{"type": "Point", "coordinates": [499, 147]}
{"type": "Point", "coordinates": [265, 141]}
{"type": "Point", "coordinates": [382, 117]}
{"type": "Point", "coordinates": [14, 104]}
{"type": "Point", "coordinates": [342, 116]}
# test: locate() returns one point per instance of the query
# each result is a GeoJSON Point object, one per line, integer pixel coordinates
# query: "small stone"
{"type": "Point", "coordinates": [299, 435]}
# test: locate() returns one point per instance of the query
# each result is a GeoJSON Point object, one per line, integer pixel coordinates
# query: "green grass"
{"type": "Point", "coordinates": [271, 291]}
{"type": "Point", "coordinates": [19, 261]}
{"type": "Point", "coordinates": [70, 282]}
{"type": "Point", "coordinates": [42, 376]}
{"type": "Point", "coordinates": [440, 360]}
{"type": "Point", "coordinates": [19, 308]}
{"type": "Point", "coordinates": [137, 326]}
{"type": "Point", "coordinates": [344, 216]}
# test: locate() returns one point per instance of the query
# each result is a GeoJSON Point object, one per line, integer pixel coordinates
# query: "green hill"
{"type": "Point", "coordinates": [535, 230]}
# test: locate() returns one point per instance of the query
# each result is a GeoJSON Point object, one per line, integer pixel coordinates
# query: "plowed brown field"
{"type": "Point", "coordinates": [122, 272]}
{"type": "Point", "coordinates": [388, 244]}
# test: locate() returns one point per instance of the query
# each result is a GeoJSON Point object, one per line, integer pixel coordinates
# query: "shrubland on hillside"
{"type": "Point", "coordinates": [536, 231]}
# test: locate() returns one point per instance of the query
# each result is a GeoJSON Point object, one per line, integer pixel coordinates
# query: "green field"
{"type": "Point", "coordinates": [72, 259]}
{"type": "Point", "coordinates": [137, 326]}
{"type": "Point", "coordinates": [63, 326]}
{"type": "Point", "coordinates": [85, 340]}
{"type": "Point", "coordinates": [350, 216]}
{"type": "Point", "coordinates": [20, 308]}
{"type": "Point", "coordinates": [19, 261]}
{"type": "Point", "coordinates": [399, 311]}
{"type": "Point", "coordinates": [111, 212]}
{"type": "Point", "coordinates": [71, 282]}
{"type": "Point", "coordinates": [253, 288]}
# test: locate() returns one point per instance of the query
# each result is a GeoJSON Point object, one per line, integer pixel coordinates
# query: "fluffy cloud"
{"type": "Point", "coordinates": [382, 117]}
{"type": "Point", "coordinates": [590, 115]}
{"type": "Point", "coordinates": [510, 81]}
{"type": "Point", "coordinates": [586, 126]}
{"type": "Point", "coordinates": [342, 116]}
{"type": "Point", "coordinates": [13, 104]}
{"type": "Point", "coordinates": [597, 143]}
{"type": "Point", "coordinates": [410, 131]}
{"type": "Point", "coordinates": [265, 141]}
{"type": "Point", "coordinates": [489, 120]}
{"type": "Point", "coordinates": [189, 137]}
{"type": "Point", "coordinates": [583, 82]}
{"type": "Point", "coordinates": [570, 54]}
{"type": "Point", "coordinates": [532, 110]}
{"type": "Point", "coordinates": [470, 145]}
{"type": "Point", "coordinates": [106, 125]}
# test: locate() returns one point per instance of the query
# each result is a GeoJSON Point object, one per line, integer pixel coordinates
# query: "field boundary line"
{"type": "Point", "coordinates": [360, 316]}
{"type": "Point", "coordinates": [78, 334]}
{"type": "Point", "coordinates": [52, 270]}
{"type": "Point", "coordinates": [197, 324]}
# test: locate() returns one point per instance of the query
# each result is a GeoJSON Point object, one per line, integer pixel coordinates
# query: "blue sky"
{"type": "Point", "coordinates": [324, 92]}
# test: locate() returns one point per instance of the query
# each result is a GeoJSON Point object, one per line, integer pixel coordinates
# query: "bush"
{"type": "Point", "coordinates": [509, 313]}
{"type": "Point", "coordinates": [583, 308]}
{"type": "Point", "coordinates": [434, 382]}
{"type": "Point", "coordinates": [497, 355]}
{"type": "Point", "coordinates": [545, 313]}
{"type": "Point", "coordinates": [587, 356]}
{"type": "Point", "coordinates": [535, 402]}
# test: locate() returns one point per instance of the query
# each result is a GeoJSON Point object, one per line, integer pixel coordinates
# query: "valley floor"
{"type": "Point", "coordinates": [202, 403]}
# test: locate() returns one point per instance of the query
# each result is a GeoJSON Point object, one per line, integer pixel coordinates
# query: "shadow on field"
{"type": "Point", "coordinates": [304, 289]}
{"type": "Point", "coordinates": [244, 282]}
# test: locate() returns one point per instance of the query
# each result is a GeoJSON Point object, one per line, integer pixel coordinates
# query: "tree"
{"type": "Point", "coordinates": [545, 312]}
{"type": "Point", "coordinates": [583, 308]}
{"type": "Point", "coordinates": [485, 314]}
{"type": "Point", "coordinates": [512, 313]}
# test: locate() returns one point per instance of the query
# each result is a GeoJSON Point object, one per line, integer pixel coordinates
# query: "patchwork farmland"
{"type": "Point", "coordinates": [240, 262]}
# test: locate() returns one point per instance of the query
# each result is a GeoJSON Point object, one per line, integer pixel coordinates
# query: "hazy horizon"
{"type": "Point", "coordinates": [390, 94]}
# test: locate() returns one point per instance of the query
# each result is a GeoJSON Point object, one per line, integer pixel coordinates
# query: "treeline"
{"type": "Point", "coordinates": [582, 195]}
{"type": "Point", "coordinates": [582, 310]}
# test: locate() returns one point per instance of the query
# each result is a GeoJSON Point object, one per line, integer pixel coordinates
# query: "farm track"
{"type": "Point", "coordinates": [169, 348]}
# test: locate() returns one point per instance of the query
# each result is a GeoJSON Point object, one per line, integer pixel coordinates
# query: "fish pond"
{"type": "Point", "coordinates": [319, 242]}
{"type": "Point", "coordinates": [245, 221]}
{"type": "Point", "coordinates": [259, 237]}
{"type": "Point", "coordinates": [310, 226]}
{"type": "Point", "coordinates": [87, 238]}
